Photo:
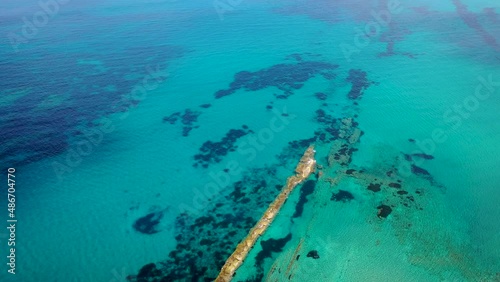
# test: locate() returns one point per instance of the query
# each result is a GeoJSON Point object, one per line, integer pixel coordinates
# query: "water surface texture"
{"type": "Point", "coordinates": [148, 137]}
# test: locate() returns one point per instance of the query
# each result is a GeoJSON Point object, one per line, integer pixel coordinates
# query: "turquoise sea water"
{"type": "Point", "coordinates": [159, 131]}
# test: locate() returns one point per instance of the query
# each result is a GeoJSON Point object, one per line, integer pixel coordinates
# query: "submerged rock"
{"type": "Point", "coordinates": [359, 81]}
{"type": "Point", "coordinates": [350, 171]}
{"type": "Point", "coordinates": [321, 96]}
{"type": "Point", "coordinates": [384, 211]}
{"type": "Point", "coordinates": [395, 185]}
{"type": "Point", "coordinates": [271, 246]}
{"type": "Point", "coordinates": [286, 77]}
{"type": "Point", "coordinates": [213, 152]}
{"type": "Point", "coordinates": [148, 271]}
{"type": "Point", "coordinates": [306, 190]}
{"type": "Point", "coordinates": [374, 187]}
{"type": "Point", "coordinates": [343, 196]}
{"type": "Point", "coordinates": [418, 170]}
{"type": "Point", "coordinates": [313, 254]}
{"type": "Point", "coordinates": [148, 224]}
{"type": "Point", "coordinates": [188, 119]}
{"type": "Point", "coordinates": [423, 156]}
